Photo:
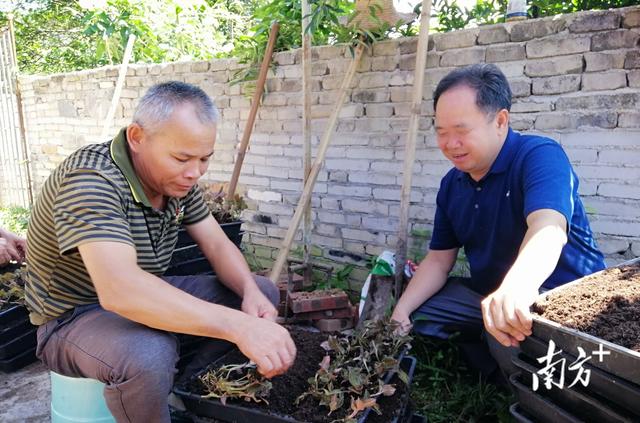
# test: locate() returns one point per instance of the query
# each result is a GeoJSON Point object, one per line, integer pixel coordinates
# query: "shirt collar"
{"type": "Point", "coordinates": [119, 150]}
{"type": "Point", "coordinates": [505, 156]}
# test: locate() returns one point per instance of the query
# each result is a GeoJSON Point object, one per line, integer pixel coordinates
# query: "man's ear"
{"type": "Point", "coordinates": [135, 136]}
{"type": "Point", "coordinates": [502, 119]}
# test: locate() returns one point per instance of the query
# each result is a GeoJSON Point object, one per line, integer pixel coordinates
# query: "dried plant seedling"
{"type": "Point", "coordinates": [11, 288]}
{"type": "Point", "coordinates": [236, 381]}
{"type": "Point", "coordinates": [223, 208]}
{"type": "Point", "coordinates": [356, 365]}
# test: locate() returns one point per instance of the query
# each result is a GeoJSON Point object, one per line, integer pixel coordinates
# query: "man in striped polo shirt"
{"type": "Point", "coordinates": [101, 235]}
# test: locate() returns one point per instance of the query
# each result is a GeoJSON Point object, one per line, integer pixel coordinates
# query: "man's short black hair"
{"type": "Point", "coordinates": [487, 80]}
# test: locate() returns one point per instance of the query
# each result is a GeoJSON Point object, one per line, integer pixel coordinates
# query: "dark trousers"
{"type": "Point", "coordinates": [455, 310]}
{"type": "Point", "coordinates": [136, 363]}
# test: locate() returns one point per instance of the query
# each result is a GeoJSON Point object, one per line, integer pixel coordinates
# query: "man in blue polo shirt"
{"type": "Point", "coordinates": [511, 201]}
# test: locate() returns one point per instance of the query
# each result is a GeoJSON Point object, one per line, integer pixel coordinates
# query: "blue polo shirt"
{"type": "Point", "coordinates": [488, 218]}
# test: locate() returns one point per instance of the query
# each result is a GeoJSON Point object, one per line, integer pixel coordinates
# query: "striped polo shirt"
{"type": "Point", "coordinates": [95, 195]}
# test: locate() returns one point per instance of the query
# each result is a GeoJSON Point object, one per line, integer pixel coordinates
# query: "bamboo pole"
{"type": "Point", "coordinates": [255, 103]}
{"type": "Point", "coordinates": [116, 94]}
{"type": "Point", "coordinates": [317, 165]}
{"type": "Point", "coordinates": [410, 148]}
{"type": "Point", "coordinates": [306, 135]}
{"type": "Point", "coordinates": [21, 123]}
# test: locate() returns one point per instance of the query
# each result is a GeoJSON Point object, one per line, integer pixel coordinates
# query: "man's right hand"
{"type": "Point", "coordinates": [402, 317]}
{"type": "Point", "coordinates": [267, 344]}
{"type": "Point", "coordinates": [8, 252]}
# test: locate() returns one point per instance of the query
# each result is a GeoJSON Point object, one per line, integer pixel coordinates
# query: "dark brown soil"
{"type": "Point", "coordinates": [291, 385]}
{"type": "Point", "coordinates": [606, 305]}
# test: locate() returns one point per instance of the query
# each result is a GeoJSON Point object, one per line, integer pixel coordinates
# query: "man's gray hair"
{"type": "Point", "coordinates": [158, 103]}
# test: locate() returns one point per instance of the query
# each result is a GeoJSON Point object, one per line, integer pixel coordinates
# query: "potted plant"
{"type": "Point", "coordinates": [187, 259]}
{"type": "Point", "coordinates": [17, 335]}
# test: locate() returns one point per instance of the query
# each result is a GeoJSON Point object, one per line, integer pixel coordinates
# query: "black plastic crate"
{"type": "Point", "coordinates": [621, 362]}
{"type": "Point", "coordinates": [601, 384]}
{"type": "Point", "coordinates": [213, 408]}
{"type": "Point", "coordinates": [539, 407]}
{"type": "Point", "coordinates": [19, 361]}
{"type": "Point", "coordinates": [574, 399]}
{"type": "Point", "coordinates": [518, 414]}
{"type": "Point", "coordinates": [14, 329]}
{"type": "Point", "coordinates": [18, 345]}
{"type": "Point", "coordinates": [12, 313]}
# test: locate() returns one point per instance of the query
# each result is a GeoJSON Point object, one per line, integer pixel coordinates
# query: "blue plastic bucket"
{"type": "Point", "coordinates": [75, 400]}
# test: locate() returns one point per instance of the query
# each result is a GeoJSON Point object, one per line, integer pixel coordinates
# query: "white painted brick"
{"type": "Point", "coordinates": [279, 209]}
{"type": "Point", "coordinates": [330, 203]}
{"type": "Point", "coordinates": [328, 217]}
{"type": "Point", "coordinates": [611, 80]}
{"type": "Point", "coordinates": [326, 241]}
{"type": "Point", "coordinates": [371, 178]}
{"type": "Point", "coordinates": [351, 191]}
{"type": "Point", "coordinates": [611, 206]}
{"type": "Point", "coordinates": [611, 245]}
{"type": "Point", "coordinates": [267, 196]}
{"type": "Point", "coordinates": [344, 164]}
{"type": "Point", "coordinates": [364, 206]}
{"type": "Point", "coordinates": [619, 190]}
{"type": "Point", "coordinates": [622, 157]}
{"type": "Point", "coordinates": [380, 223]}
{"type": "Point", "coordinates": [287, 185]}
{"type": "Point", "coordinates": [393, 194]}
{"type": "Point", "coordinates": [608, 172]}
{"type": "Point", "coordinates": [616, 226]}
{"type": "Point", "coordinates": [357, 234]}
{"type": "Point", "coordinates": [369, 153]}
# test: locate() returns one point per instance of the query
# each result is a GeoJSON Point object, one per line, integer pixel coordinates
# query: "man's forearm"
{"type": "Point", "coordinates": [537, 258]}
{"type": "Point", "coordinates": [154, 303]}
{"type": "Point", "coordinates": [430, 277]}
{"type": "Point", "coordinates": [232, 268]}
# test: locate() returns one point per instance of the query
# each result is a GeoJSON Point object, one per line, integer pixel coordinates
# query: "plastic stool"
{"type": "Point", "coordinates": [75, 400]}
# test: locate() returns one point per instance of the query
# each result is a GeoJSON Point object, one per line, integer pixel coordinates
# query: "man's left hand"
{"type": "Point", "coordinates": [256, 304]}
{"type": "Point", "coordinates": [506, 314]}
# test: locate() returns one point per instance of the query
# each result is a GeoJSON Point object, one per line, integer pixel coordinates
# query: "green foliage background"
{"type": "Point", "coordinates": [65, 35]}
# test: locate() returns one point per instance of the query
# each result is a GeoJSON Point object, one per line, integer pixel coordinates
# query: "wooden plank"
{"type": "Point", "coordinates": [317, 165]}
{"type": "Point", "coordinates": [255, 103]}
{"type": "Point", "coordinates": [410, 148]}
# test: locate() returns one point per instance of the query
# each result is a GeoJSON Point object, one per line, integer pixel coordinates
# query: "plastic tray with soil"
{"type": "Point", "coordinates": [280, 404]}
{"type": "Point", "coordinates": [11, 296]}
{"type": "Point", "coordinates": [599, 313]}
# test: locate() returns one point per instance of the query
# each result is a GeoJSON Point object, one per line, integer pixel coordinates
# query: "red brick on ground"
{"type": "Point", "coordinates": [333, 325]}
{"type": "Point", "coordinates": [339, 313]}
{"type": "Point", "coordinates": [303, 302]}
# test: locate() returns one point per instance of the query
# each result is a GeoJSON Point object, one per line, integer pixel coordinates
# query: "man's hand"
{"type": "Point", "coordinates": [12, 247]}
{"type": "Point", "coordinates": [255, 304]}
{"type": "Point", "coordinates": [267, 344]}
{"type": "Point", "coordinates": [506, 314]}
{"type": "Point", "coordinates": [400, 316]}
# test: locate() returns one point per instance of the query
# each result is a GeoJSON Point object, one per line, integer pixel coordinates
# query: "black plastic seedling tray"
{"type": "Point", "coordinates": [12, 313]}
{"type": "Point", "coordinates": [582, 405]}
{"type": "Point", "coordinates": [18, 345]}
{"type": "Point", "coordinates": [601, 383]}
{"type": "Point", "coordinates": [622, 362]}
{"type": "Point", "coordinates": [518, 414]}
{"type": "Point", "coordinates": [19, 361]}
{"type": "Point", "coordinates": [14, 329]}
{"type": "Point", "coordinates": [213, 408]}
{"type": "Point", "coordinates": [538, 407]}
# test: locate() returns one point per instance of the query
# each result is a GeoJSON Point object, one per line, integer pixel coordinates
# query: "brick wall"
{"type": "Point", "coordinates": [575, 78]}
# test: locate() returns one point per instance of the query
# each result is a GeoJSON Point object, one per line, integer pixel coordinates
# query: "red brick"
{"type": "Point", "coordinates": [333, 325]}
{"type": "Point", "coordinates": [325, 314]}
{"type": "Point", "coordinates": [302, 302]}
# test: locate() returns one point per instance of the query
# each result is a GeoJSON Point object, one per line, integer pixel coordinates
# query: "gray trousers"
{"type": "Point", "coordinates": [136, 363]}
